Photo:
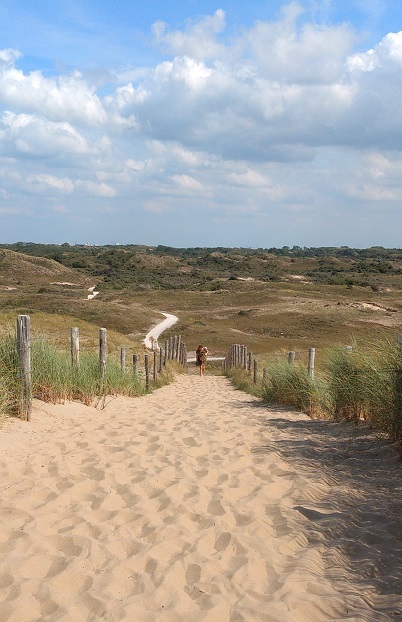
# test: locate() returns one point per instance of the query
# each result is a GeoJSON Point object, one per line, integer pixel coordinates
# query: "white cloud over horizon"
{"type": "Point", "coordinates": [285, 121]}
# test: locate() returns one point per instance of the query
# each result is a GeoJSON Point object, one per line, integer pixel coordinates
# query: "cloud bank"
{"type": "Point", "coordinates": [283, 124]}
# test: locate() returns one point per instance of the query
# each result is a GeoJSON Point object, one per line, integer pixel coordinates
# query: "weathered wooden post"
{"type": "Point", "coordinates": [123, 359]}
{"type": "Point", "coordinates": [291, 357]}
{"type": "Point", "coordinates": [166, 353]}
{"type": "Point", "coordinates": [310, 365]}
{"type": "Point", "coordinates": [244, 357]}
{"type": "Point", "coordinates": [146, 365]}
{"type": "Point", "coordinates": [264, 376]}
{"type": "Point", "coordinates": [155, 370]}
{"type": "Point", "coordinates": [135, 365]}
{"type": "Point", "coordinates": [178, 347]}
{"type": "Point", "coordinates": [160, 360]}
{"type": "Point", "coordinates": [75, 346]}
{"type": "Point", "coordinates": [255, 379]}
{"type": "Point", "coordinates": [102, 352]}
{"type": "Point", "coordinates": [250, 356]}
{"type": "Point", "coordinates": [24, 353]}
{"type": "Point", "coordinates": [170, 350]}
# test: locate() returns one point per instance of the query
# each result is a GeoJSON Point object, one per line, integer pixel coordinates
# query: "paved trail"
{"type": "Point", "coordinates": [195, 503]}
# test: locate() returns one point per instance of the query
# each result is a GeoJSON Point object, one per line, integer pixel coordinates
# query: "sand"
{"type": "Point", "coordinates": [196, 502]}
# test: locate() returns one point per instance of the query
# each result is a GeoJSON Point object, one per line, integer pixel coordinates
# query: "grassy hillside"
{"type": "Point", "coordinates": [270, 299]}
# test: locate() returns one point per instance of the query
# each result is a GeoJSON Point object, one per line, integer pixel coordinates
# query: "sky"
{"type": "Point", "coordinates": [201, 123]}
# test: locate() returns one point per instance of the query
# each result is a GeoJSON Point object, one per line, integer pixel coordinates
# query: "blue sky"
{"type": "Point", "coordinates": [198, 123]}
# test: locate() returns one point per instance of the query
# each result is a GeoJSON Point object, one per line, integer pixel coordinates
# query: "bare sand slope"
{"type": "Point", "coordinates": [195, 503]}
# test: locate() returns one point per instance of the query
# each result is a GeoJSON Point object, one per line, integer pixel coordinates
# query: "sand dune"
{"type": "Point", "coordinates": [196, 503]}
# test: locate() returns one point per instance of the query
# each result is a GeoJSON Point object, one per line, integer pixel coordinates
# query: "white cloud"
{"type": "Point", "coordinates": [282, 115]}
{"type": "Point", "coordinates": [30, 135]}
{"type": "Point", "coordinates": [248, 178]}
{"type": "Point", "coordinates": [62, 98]}
{"type": "Point", "coordinates": [187, 182]}
{"type": "Point", "coordinates": [95, 188]}
{"type": "Point", "coordinates": [310, 54]}
{"type": "Point", "coordinates": [64, 185]}
{"type": "Point", "coordinates": [199, 40]}
{"type": "Point", "coordinates": [385, 56]}
{"type": "Point", "coordinates": [9, 56]}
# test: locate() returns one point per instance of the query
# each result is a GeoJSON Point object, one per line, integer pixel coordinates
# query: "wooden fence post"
{"type": "Point", "coordinates": [75, 347]}
{"type": "Point", "coordinates": [255, 371]}
{"type": "Point", "coordinates": [135, 365]}
{"type": "Point", "coordinates": [155, 372]}
{"type": "Point", "coordinates": [264, 376]}
{"type": "Point", "coordinates": [102, 352]}
{"type": "Point", "coordinates": [123, 359]}
{"type": "Point", "coordinates": [311, 359]}
{"type": "Point", "coordinates": [24, 352]}
{"type": "Point", "coordinates": [170, 350]}
{"type": "Point", "coordinates": [291, 357]}
{"type": "Point", "coordinates": [249, 361]}
{"type": "Point", "coordinates": [146, 365]}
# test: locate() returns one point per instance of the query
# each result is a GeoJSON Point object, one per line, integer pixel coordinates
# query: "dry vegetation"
{"type": "Point", "coordinates": [270, 300]}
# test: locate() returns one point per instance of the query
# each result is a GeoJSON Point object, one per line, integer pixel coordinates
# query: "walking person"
{"type": "Point", "coordinates": [201, 354]}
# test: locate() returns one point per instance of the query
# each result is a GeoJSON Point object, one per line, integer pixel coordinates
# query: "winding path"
{"type": "Point", "coordinates": [157, 330]}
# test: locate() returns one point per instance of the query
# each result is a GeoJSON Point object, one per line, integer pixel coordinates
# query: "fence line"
{"type": "Point", "coordinates": [239, 356]}
{"type": "Point", "coordinates": [173, 350]}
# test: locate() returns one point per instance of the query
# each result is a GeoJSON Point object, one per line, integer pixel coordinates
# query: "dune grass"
{"type": "Point", "coordinates": [359, 384]}
{"type": "Point", "coordinates": [365, 384]}
{"type": "Point", "coordinates": [55, 379]}
{"type": "Point", "coordinates": [292, 385]}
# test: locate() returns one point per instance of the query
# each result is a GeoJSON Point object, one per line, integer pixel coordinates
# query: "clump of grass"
{"type": "Point", "coordinates": [361, 384]}
{"type": "Point", "coordinates": [291, 385]}
{"type": "Point", "coordinates": [243, 381]}
{"type": "Point", "coordinates": [366, 384]}
{"type": "Point", "coordinates": [55, 379]}
{"type": "Point", "coordinates": [10, 382]}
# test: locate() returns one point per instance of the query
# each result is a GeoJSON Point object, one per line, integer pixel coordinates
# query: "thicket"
{"type": "Point", "coordinates": [163, 267]}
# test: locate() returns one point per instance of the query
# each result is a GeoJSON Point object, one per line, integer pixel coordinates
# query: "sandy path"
{"type": "Point", "coordinates": [157, 330]}
{"type": "Point", "coordinates": [195, 503]}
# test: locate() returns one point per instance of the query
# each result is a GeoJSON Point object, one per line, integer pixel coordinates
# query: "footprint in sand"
{"type": "Point", "coordinates": [215, 508]}
{"type": "Point", "coordinates": [151, 566]}
{"type": "Point", "coordinates": [190, 441]}
{"type": "Point", "coordinates": [193, 574]}
{"type": "Point", "coordinates": [223, 541]}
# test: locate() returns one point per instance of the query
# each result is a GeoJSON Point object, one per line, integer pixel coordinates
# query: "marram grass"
{"type": "Point", "coordinates": [55, 379]}
{"type": "Point", "coordinates": [359, 384]}
{"type": "Point", "coordinates": [292, 386]}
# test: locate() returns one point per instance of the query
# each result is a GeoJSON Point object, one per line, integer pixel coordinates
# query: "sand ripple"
{"type": "Point", "coordinates": [195, 503]}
